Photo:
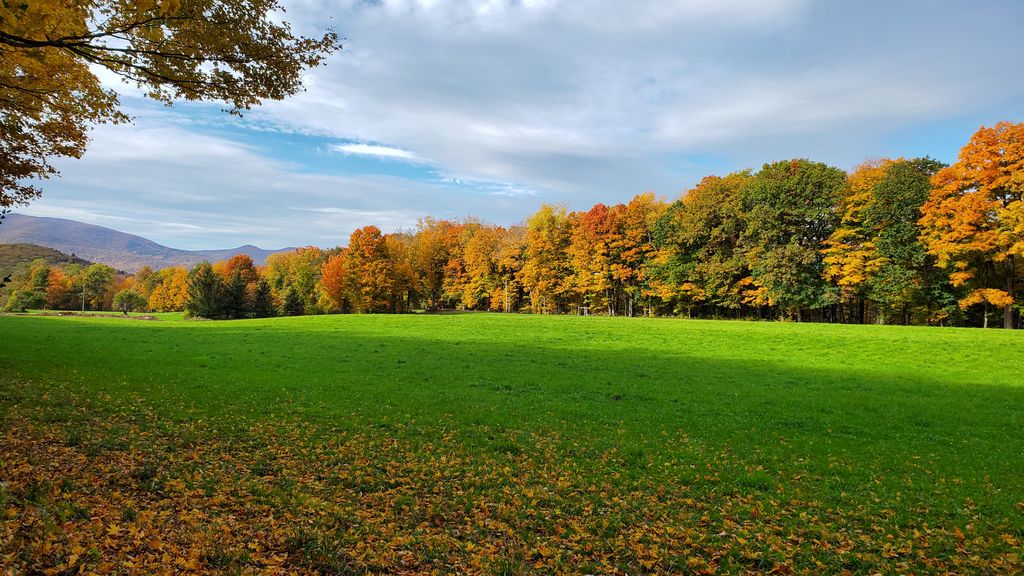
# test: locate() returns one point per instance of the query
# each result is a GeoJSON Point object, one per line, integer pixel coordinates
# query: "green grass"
{"type": "Point", "coordinates": [919, 426]}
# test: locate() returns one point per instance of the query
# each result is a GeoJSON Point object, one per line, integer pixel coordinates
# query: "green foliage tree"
{"type": "Point", "coordinates": [233, 301]}
{"type": "Point", "coordinates": [298, 270]}
{"type": "Point", "coordinates": [292, 305]}
{"type": "Point", "coordinates": [23, 300]}
{"type": "Point", "coordinates": [263, 301]}
{"type": "Point", "coordinates": [905, 271]}
{"type": "Point", "coordinates": [92, 283]}
{"type": "Point", "coordinates": [700, 259]}
{"type": "Point", "coordinates": [790, 212]}
{"type": "Point", "coordinates": [204, 292]}
{"type": "Point", "coordinates": [28, 280]}
{"type": "Point", "coordinates": [129, 301]}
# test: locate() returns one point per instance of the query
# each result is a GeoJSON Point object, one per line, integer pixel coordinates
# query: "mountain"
{"type": "Point", "coordinates": [13, 254]}
{"type": "Point", "coordinates": [118, 249]}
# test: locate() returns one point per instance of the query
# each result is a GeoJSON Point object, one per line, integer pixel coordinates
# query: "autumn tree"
{"type": "Point", "coordinates": [591, 237]}
{"type": "Point", "coordinates": [434, 245]}
{"type": "Point", "coordinates": [973, 222]}
{"type": "Point", "coordinates": [545, 266]}
{"type": "Point", "coordinates": [60, 290]}
{"type": "Point", "coordinates": [144, 281]}
{"type": "Point", "coordinates": [402, 282]}
{"type": "Point", "coordinates": [239, 263]}
{"type": "Point", "coordinates": [29, 281]}
{"type": "Point", "coordinates": [379, 275]}
{"type": "Point", "coordinates": [238, 52]}
{"type": "Point", "coordinates": [368, 270]}
{"type": "Point", "coordinates": [790, 211]}
{"type": "Point", "coordinates": [93, 283]}
{"type": "Point", "coordinates": [470, 275]}
{"type": "Point", "coordinates": [699, 256]}
{"type": "Point", "coordinates": [298, 270]}
{"type": "Point", "coordinates": [480, 265]}
{"type": "Point", "coordinates": [240, 277]}
{"type": "Point", "coordinates": [903, 275]}
{"type": "Point", "coordinates": [850, 255]}
{"type": "Point", "coordinates": [509, 259]}
{"type": "Point", "coordinates": [334, 281]}
{"type": "Point", "coordinates": [634, 249]}
{"type": "Point", "coordinates": [170, 290]}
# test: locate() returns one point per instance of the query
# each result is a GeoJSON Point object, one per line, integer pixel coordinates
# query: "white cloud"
{"type": "Point", "coordinates": [583, 101]}
{"type": "Point", "coordinates": [594, 100]}
{"type": "Point", "coordinates": [198, 191]}
{"type": "Point", "coordinates": [375, 150]}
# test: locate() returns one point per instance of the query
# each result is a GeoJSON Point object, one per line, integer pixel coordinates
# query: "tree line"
{"type": "Point", "coordinates": [907, 241]}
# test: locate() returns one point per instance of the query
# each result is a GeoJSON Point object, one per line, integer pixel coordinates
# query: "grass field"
{"type": "Point", "coordinates": [499, 444]}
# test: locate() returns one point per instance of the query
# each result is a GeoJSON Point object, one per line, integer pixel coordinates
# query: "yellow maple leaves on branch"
{"type": "Point", "coordinates": [230, 51]}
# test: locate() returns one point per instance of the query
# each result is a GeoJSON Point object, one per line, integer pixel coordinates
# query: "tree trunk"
{"type": "Point", "coordinates": [1008, 311]}
{"type": "Point", "coordinates": [984, 323]}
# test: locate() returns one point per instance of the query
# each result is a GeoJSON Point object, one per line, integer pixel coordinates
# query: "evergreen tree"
{"type": "Point", "coordinates": [292, 304]}
{"type": "Point", "coordinates": [233, 302]}
{"type": "Point", "coordinates": [263, 301]}
{"type": "Point", "coordinates": [204, 292]}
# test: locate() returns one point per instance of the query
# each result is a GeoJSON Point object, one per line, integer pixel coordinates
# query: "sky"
{"type": "Point", "coordinates": [491, 108]}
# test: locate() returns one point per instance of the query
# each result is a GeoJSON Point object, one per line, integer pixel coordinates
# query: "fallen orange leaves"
{"type": "Point", "coordinates": [138, 494]}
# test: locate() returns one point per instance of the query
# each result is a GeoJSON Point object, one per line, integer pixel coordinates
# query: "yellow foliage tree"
{"type": "Point", "coordinates": [171, 291]}
{"type": "Point", "coordinates": [232, 51]}
{"type": "Point", "coordinates": [850, 255]}
{"type": "Point", "coordinates": [972, 221]}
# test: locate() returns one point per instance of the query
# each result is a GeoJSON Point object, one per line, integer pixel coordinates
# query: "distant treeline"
{"type": "Point", "coordinates": [908, 241]}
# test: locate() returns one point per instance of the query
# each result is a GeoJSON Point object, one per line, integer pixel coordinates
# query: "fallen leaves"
{"type": "Point", "coordinates": [133, 492]}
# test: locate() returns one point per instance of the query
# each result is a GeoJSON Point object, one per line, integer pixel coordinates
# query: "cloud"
{"type": "Point", "coordinates": [375, 150]}
{"type": "Point", "coordinates": [489, 108]}
{"type": "Point", "coordinates": [596, 99]}
{"type": "Point", "coordinates": [195, 190]}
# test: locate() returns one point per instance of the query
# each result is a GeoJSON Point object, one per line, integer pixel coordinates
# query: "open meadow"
{"type": "Point", "coordinates": [508, 444]}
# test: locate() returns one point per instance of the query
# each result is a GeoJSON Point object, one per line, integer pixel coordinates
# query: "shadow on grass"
{"type": "Point", "coordinates": [851, 425]}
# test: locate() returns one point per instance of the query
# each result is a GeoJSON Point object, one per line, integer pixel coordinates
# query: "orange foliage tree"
{"type": "Point", "coordinates": [635, 248]}
{"type": "Point", "coordinates": [334, 279]}
{"type": "Point", "coordinates": [241, 263]}
{"type": "Point", "coordinates": [591, 238]}
{"type": "Point", "coordinates": [973, 222]}
{"type": "Point", "coordinates": [433, 247]}
{"type": "Point", "coordinates": [378, 274]}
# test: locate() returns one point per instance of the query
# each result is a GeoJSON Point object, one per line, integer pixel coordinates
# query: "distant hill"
{"type": "Point", "coordinates": [13, 254]}
{"type": "Point", "coordinates": [118, 249]}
